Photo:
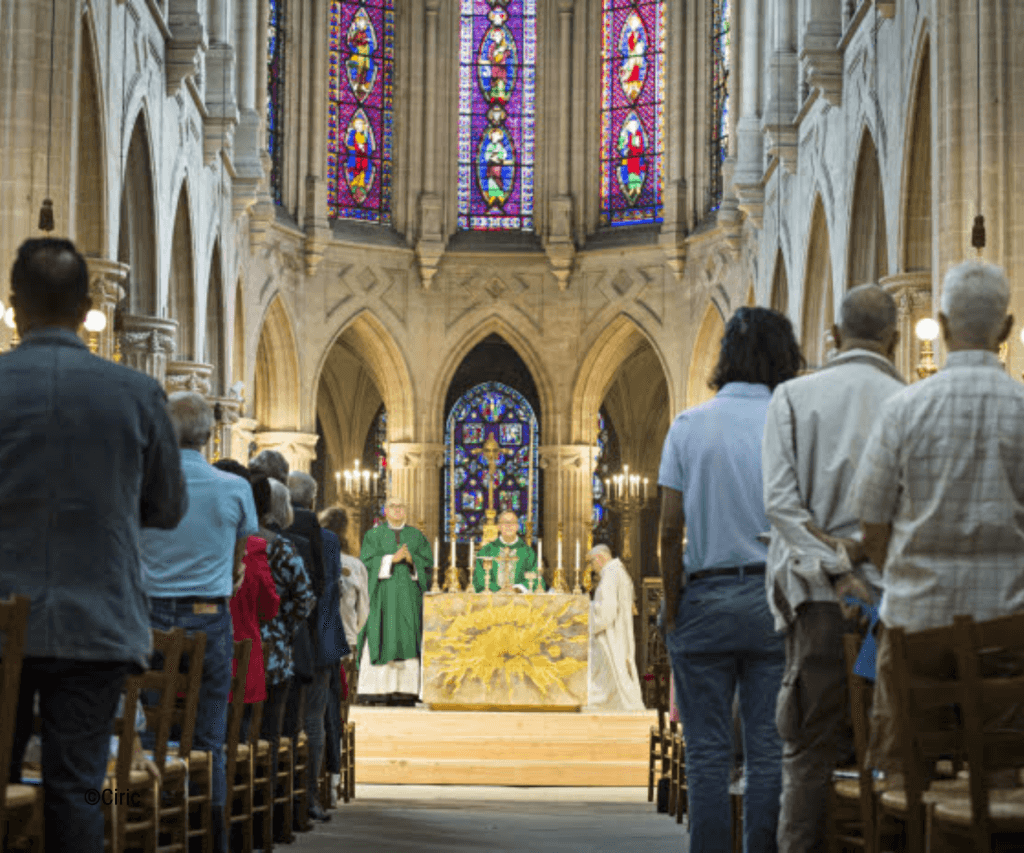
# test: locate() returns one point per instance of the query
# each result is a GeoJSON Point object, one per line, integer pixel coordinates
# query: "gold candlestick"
{"type": "Point", "coordinates": [453, 584]}
{"type": "Point", "coordinates": [576, 590]}
{"type": "Point", "coordinates": [558, 582]}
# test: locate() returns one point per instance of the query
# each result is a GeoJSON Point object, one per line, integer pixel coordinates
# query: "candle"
{"type": "Point", "coordinates": [645, 488]}
{"type": "Point", "coordinates": [540, 554]}
{"type": "Point", "coordinates": [348, 481]}
{"type": "Point", "coordinates": [577, 555]}
{"type": "Point", "coordinates": [559, 551]}
{"type": "Point", "coordinates": [452, 561]}
{"type": "Point", "coordinates": [435, 551]}
{"type": "Point", "coordinates": [529, 487]}
{"type": "Point", "coordinates": [337, 484]}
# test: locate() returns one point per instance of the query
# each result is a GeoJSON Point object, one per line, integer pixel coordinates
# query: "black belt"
{"type": "Point", "coordinates": [192, 599]}
{"type": "Point", "coordinates": [730, 571]}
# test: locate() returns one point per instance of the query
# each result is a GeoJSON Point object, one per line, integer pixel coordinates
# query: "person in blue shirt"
{"type": "Point", "coordinates": [191, 573]}
{"type": "Point", "coordinates": [718, 629]}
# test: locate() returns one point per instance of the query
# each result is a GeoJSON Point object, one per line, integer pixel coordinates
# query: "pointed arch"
{"type": "Point", "coordinates": [620, 339]}
{"type": "Point", "coordinates": [868, 260]}
{"type": "Point", "coordinates": [751, 297]}
{"type": "Point", "coordinates": [90, 190]}
{"type": "Point", "coordinates": [515, 339]}
{"type": "Point", "coordinates": [238, 342]}
{"type": "Point", "coordinates": [368, 338]}
{"type": "Point", "coordinates": [779, 300]}
{"type": "Point", "coordinates": [917, 226]}
{"type": "Point", "coordinates": [818, 314]}
{"type": "Point", "coordinates": [276, 384]}
{"type": "Point", "coordinates": [137, 227]}
{"type": "Point", "coordinates": [181, 289]}
{"type": "Point", "coordinates": [704, 356]}
{"type": "Point", "coordinates": [213, 342]}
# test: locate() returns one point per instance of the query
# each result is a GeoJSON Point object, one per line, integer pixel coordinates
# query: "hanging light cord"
{"type": "Point", "coordinates": [778, 111]}
{"type": "Point", "coordinates": [46, 211]}
{"type": "Point", "coordinates": [978, 231]}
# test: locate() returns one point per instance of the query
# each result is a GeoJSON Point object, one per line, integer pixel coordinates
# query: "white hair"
{"type": "Point", "coordinates": [281, 512]}
{"type": "Point", "coordinates": [975, 296]}
{"type": "Point", "coordinates": [302, 488]}
{"type": "Point", "coordinates": [599, 549]}
{"type": "Point", "coordinates": [192, 418]}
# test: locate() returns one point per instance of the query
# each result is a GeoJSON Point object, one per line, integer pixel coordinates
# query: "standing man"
{"type": "Point", "coordinates": [940, 486]}
{"type": "Point", "coordinates": [718, 628]}
{"type": "Point", "coordinates": [526, 559]}
{"type": "Point", "coordinates": [813, 439]}
{"type": "Point", "coordinates": [192, 572]}
{"type": "Point", "coordinates": [614, 684]}
{"type": "Point", "coordinates": [397, 558]}
{"type": "Point", "coordinates": [88, 457]}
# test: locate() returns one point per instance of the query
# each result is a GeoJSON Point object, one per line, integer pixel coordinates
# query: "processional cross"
{"type": "Point", "coordinates": [490, 452]}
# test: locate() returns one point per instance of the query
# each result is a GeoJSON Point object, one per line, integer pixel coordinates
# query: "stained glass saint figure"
{"type": "Point", "coordinates": [633, 49]}
{"type": "Point", "coordinates": [633, 168]}
{"type": "Point", "coordinates": [359, 147]}
{"type": "Point", "coordinates": [362, 45]}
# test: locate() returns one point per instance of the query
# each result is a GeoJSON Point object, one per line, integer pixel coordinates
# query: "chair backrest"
{"type": "Point", "coordinates": [990, 659]}
{"type": "Point", "coordinates": [349, 665]}
{"type": "Point", "coordinates": [661, 688]}
{"type": "Point", "coordinates": [124, 728]}
{"type": "Point", "coordinates": [190, 682]}
{"type": "Point", "coordinates": [243, 649]}
{"type": "Point", "coordinates": [13, 628]}
{"type": "Point", "coordinates": [160, 715]}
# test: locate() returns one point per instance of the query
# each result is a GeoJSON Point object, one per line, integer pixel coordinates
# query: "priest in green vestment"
{"type": "Point", "coordinates": [397, 558]}
{"type": "Point", "coordinates": [526, 559]}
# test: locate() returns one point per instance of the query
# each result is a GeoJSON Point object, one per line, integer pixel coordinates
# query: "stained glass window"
{"type": "Point", "coordinates": [498, 41]}
{"type": "Point", "coordinates": [275, 93]}
{"type": "Point", "coordinates": [721, 45]}
{"type": "Point", "coordinates": [490, 409]}
{"type": "Point", "coordinates": [632, 111]}
{"type": "Point", "coordinates": [360, 72]}
{"type": "Point", "coordinates": [607, 465]}
{"type": "Point", "coordinates": [375, 458]}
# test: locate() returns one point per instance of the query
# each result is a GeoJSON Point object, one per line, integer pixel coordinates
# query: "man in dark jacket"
{"type": "Point", "coordinates": [88, 457]}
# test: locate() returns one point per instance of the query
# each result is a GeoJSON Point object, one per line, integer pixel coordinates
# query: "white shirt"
{"type": "Point", "coordinates": [944, 465]}
{"type": "Point", "coordinates": [814, 435]}
{"type": "Point", "coordinates": [355, 600]}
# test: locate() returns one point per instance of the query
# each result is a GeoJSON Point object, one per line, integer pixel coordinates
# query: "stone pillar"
{"type": "Point", "coordinates": [431, 243]}
{"type": "Point", "coordinates": [749, 140]}
{"type": "Point", "coordinates": [147, 343]}
{"type": "Point", "coordinates": [823, 29]}
{"type": "Point", "coordinates": [106, 288]}
{"type": "Point", "coordinates": [221, 443]}
{"type": "Point", "coordinates": [261, 214]}
{"type": "Point", "coordinates": [913, 294]}
{"type": "Point", "coordinates": [221, 100]}
{"type": "Point", "coordinates": [415, 475]}
{"type": "Point", "coordinates": [299, 448]}
{"type": "Point", "coordinates": [559, 243]}
{"type": "Point", "coordinates": [782, 89]}
{"type": "Point", "coordinates": [317, 229]}
{"type": "Point", "coordinates": [248, 142]}
{"type": "Point", "coordinates": [568, 498]}
{"type": "Point", "coordinates": [242, 437]}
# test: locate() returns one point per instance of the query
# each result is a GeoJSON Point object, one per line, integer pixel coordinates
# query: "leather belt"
{"type": "Point", "coordinates": [729, 571]}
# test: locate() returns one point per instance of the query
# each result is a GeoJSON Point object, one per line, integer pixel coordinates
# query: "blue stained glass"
{"type": "Point", "coordinates": [607, 446]}
{"type": "Point", "coordinates": [276, 37]}
{"type": "Point", "coordinates": [490, 409]}
{"type": "Point", "coordinates": [721, 46]}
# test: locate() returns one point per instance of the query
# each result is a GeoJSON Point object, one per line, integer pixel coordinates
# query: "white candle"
{"type": "Point", "coordinates": [645, 488]}
{"type": "Point", "coordinates": [348, 481]}
{"type": "Point", "coordinates": [540, 554]}
{"type": "Point", "coordinates": [453, 547]}
{"type": "Point", "coordinates": [436, 545]}
{"type": "Point", "coordinates": [577, 555]}
{"type": "Point", "coordinates": [472, 554]}
{"type": "Point", "coordinates": [559, 551]}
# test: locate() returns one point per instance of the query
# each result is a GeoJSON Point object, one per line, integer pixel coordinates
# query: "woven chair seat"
{"type": "Point", "coordinates": [21, 796]}
{"type": "Point", "coordinates": [1005, 808]}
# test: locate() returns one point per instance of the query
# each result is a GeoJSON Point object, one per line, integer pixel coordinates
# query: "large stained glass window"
{"type": "Point", "coordinates": [632, 111]}
{"type": "Point", "coordinates": [360, 72]}
{"type": "Point", "coordinates": [607, 465]}
{"type": "Point", "coordinates": [485, 410]}
{"type": "Point", "coordinates": [721, 44]}
{"type": "Point", "coordinates": [497, 48]}
{"type": "Point", "coordinates": [275, 94]}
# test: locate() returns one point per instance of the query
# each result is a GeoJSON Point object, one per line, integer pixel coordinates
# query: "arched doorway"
{"type": "Point", "coordinates": [867, 262]}
{"type": "Point", "coordinates": [181, 291]}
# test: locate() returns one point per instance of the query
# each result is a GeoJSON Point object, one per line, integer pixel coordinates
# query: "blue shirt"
{"type": "Point", "coordinates": [87, 458]}
{"type": "Point", "coordinates": [712, 455]}
{"type": "Point", "coordinates": [197, 558]}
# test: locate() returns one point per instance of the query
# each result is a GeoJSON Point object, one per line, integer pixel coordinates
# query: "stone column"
{"type": "Point", "coordinates": [749, 140]}
{"type": "Point", "coordinates": [248, 142]}
{"type": "Point", "coordinates": [299, 448]}
{"type": "Point", "coordinates": [106, 288]}
{"type": "Point", "coordinates": [568, 497]}
{"type": "Point", "coordinates": [913, 294]}
{"type": "Point", "coordinates": [559, 244]}
{"type": "Point", "coordinates": [415, 475]}
{"type": "Point", "coordinates": [317, 229]}
{"type": "Point", "coordinates": [261, 214]}
{"type": "Point", "coordinates": [822, 31]}
{"type": "Point", "coordinates": [782, 88]}
{"type": "Point", "coordinates": [147, 343]}
{"type": "Point", "coordinates": [430, 246]}
{"type": "Point", "coordinates": [241, 439]}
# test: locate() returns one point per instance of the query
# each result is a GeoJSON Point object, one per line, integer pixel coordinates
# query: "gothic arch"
{"type": "Point", "coordinates": [620, 339]}
{"type": "Point", "coordinates": [779, 299]}
{"type": "Point", "coordinates": [818, 314]}
{"type": "Point", "coordinates": [137, 226]}
{"type": "Point", "coordinates": [276, 382]}
{"type": "Point", "coordinates": [181, 285]}
{"type": "Point", "coordinates": [867, 259]}
{"type": "Point", "coordinates": [238, 338]}
{"type": "Point", "coordinates": [494, 324]}
{"type": "Point", "coordinates": [916, 243]}
{"type": "Point", "coordinates": [374, 345]}
{"type": "Point", "coordinates": [704, 356]}
{"type": "Point", "coordinates": [90, 194]}
{"type": "Point", "coordinates": [214, 349]}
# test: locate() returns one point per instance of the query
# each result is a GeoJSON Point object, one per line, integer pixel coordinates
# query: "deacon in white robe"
{"type": "Point", "coordinates": [614, 685]}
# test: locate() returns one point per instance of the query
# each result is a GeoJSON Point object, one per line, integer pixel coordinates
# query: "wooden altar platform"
{"type": "Point", "coordinates": [417, 746]}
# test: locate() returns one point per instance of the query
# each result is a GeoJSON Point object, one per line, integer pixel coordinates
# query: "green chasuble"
{"type": "Point", "coordinates": [394, 626]}
{"type": "Point", "coordinates": [526, 562]}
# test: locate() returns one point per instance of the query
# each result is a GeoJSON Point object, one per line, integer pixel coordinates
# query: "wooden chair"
{"type": "Point", "coordinates": [660, 747]}
{"type": "Point", "coordinates": [300, 787]}
{"type": "Point", "coordinates": [991, 683]}
{"type": "Point", "coordinates": [258, 752]}
{"type": "Point", "coordinates": [284, 790]}
{"type": "Point", "coordinates": [21, 806]}
{"type": "Point", "coordinates": [347, 781]}
{"type": "Point", "coordinates": [238, 793]}
{"type": "Point", "coordinates": [677, 794]}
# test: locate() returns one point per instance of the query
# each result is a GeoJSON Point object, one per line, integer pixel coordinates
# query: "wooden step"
{"type": "Point", "coordinates": [457, 771]}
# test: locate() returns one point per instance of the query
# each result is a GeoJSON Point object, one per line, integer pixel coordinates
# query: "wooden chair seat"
{"type": "Point", "coordinates": [22, 796]}
{"type": "Point", "coordinates": [895, 798]}
{"type": "Point", "coordinates": [1005, 810]}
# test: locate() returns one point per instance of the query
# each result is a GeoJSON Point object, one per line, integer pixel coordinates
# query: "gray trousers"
{"type": "Point", "coordinates": [316, 704]}
{"type": "Point", "coordinates": [812, 717]}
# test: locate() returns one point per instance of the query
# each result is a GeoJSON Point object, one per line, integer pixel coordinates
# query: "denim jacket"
{"type": "Point", "coordinates": [88, 456]}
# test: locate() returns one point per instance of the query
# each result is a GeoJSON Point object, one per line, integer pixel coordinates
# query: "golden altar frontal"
{"type": "Point", "coordinates": [505, 651]}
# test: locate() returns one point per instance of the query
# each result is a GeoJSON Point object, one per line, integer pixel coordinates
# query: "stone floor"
{"type": "Point", "coordinates": [451, 819]}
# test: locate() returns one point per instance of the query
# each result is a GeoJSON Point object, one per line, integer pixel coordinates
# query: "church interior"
{"type": "Point", "coordinates": [375, 232]}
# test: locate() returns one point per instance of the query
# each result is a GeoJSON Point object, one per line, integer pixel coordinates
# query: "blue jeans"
{"type": "Point", "coordinates": [212, 713]}
{"type": "Point", "coordinates": [724, 639]}
{"type": "Point", "coordinates": [316, 705]}
{"type": "Point", "coordinates": [77, 704]}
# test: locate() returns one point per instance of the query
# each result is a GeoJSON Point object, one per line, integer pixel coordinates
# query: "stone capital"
{"type": "Point", "coordinates": [188, 376]}
{"type": "Point", "coordinates": [299, 448]}
{"type": "Point", "coordinates": [581, 458]}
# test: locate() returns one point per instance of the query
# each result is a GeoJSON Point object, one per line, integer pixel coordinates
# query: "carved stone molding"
{"type": "Point", "coordinates": [299, 448]}
{"type": "Point", "coordinates": [824, 59]}
{"type": "Point", "coordinates": [188, 376]}
{"type": "Point", "coordinates": [913, 294]}
{"type": "Point", "coordinates": [430, 247]}
{"type": "Point", "coordinates": [242, 439]}
{"type": "Point", "coordinates": [147, 343]}
{"type": "Point", "coordinates": [106, 289]}
{"type": "Point", "coordinates": [188, 40]}
{"type": "Point", "coordinates": [559, 246]}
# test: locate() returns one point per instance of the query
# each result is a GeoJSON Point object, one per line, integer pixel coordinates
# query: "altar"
{"type": "Point", "coordinates": [505, 651]}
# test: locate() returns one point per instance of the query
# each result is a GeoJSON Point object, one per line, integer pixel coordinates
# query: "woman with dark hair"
{"type": "Point", "coordinates": [718, 628]}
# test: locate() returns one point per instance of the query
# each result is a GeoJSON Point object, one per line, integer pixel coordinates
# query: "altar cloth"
{"type": "Point", "coordinates": [505, 651]}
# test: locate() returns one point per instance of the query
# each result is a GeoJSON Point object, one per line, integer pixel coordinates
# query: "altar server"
{"type": "Point", "coordinates": [397, 558]}
{"type": "Point", "coordinates": [526, 559]}
{"type": "Point", "coordinates": [614, 683]}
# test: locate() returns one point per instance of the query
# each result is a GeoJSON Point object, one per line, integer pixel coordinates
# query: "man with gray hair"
{"type": "Point", "coordinates": [814, 435]}
{"type": "Point", "coordinates": [941, 483]}
{"type": "Point", "coordinates": [613, 684]}
{"type": "Point", "coordinates": [272, 464]}
{"type": "Point", "coordinates": [190, 574]}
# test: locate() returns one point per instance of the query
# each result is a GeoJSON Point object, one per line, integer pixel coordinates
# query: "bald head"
{"type": "Point", "coordinates": [867, 320]}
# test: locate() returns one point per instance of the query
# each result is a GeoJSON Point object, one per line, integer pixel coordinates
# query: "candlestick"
{"type": "Point", "coordinates": [559, 551]}
{"type": "Point", "coordinates": [540, 555]}
{"type": "Point", "coordinates": [529, 487]}
{"type": "Point", "coordinates": [472, 556]}
{"type": "Point", "coordinates": [436, 585]}
{"type": "Point", "coordinates": [436, 544]}
{"type": "Point", "coordinates": [451, 562]}
{"type": "Point", "coordinates": [576, 588]}
{"type": "Point", "coordinates": [577, 555]}
{"type": "Point", "coordinates": [451, 474]}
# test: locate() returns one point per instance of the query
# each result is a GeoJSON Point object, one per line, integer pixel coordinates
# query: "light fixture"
{"type": "Point", "coordinates": [9, 318]}
{"type": "Point", "coordinates": [95, 322]}
{"type": "Point", "coordinates": [926, 330]}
